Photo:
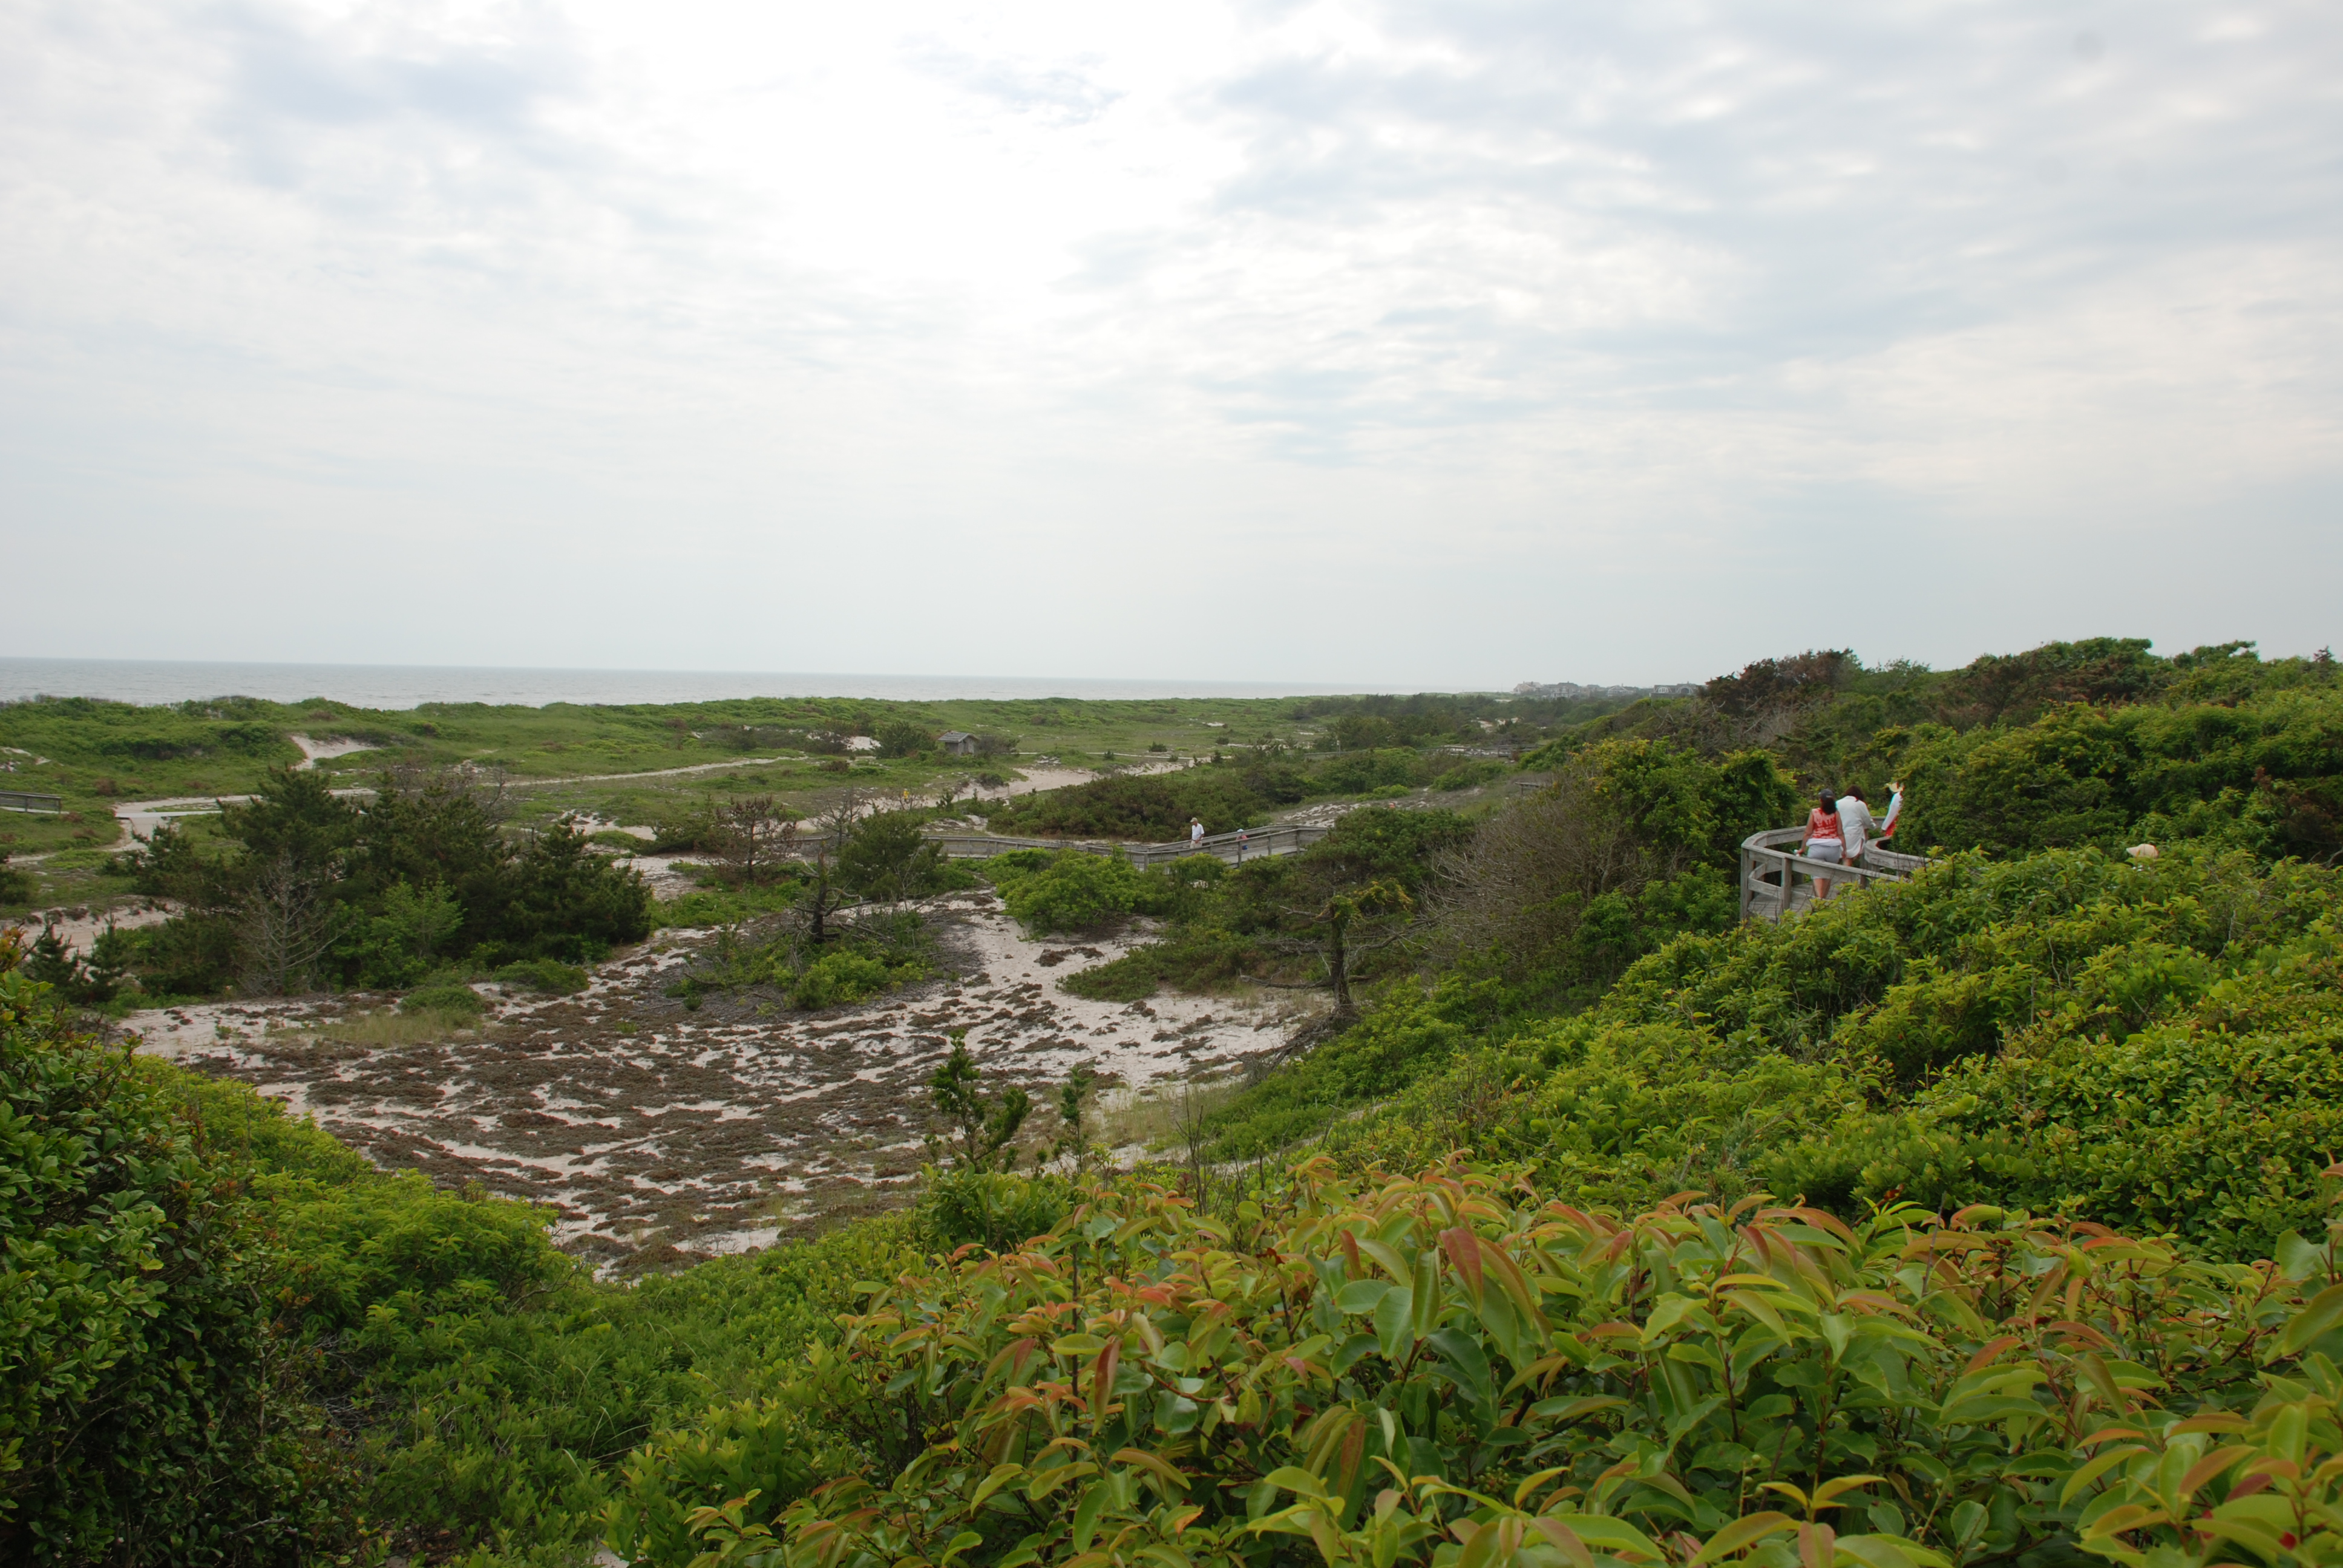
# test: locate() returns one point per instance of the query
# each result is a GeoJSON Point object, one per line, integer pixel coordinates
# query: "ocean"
{"type": "Point", "coordinates": [388, 686]}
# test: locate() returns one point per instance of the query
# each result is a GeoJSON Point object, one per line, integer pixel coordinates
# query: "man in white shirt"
{"type": "Point", "coordinates": [1858, 826]}
{"type": "Point", "coordinates": [1195, 831]}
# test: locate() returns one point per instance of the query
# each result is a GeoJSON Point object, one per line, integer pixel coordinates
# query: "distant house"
{"type": "Point", "coordinates": [957, 743]}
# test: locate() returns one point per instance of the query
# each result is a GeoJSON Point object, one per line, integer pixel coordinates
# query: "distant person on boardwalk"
{"type": "Point", "coordinates": [1858, 829]}
{"type": "Point", "coordinates": [1195, 832]}
{"type": "Point", "coordinates": [1824, 842]}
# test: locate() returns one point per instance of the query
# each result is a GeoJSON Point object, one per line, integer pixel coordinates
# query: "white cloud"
{"type": "Point", "coordinates": [1412, 344]}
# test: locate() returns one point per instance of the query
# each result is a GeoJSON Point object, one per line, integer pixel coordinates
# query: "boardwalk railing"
{"type": "Point", "coordinates": [983, 846]}
{"type": "Point", "coordinates": [1248, 844]}
{"type": "Point", "coordinates": [1776, 880]}
{"type": "Point", "coordinates": [18, 801]}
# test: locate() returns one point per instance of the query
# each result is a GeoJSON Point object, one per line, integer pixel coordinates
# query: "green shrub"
{"type": "Point", "coordinates": [1412, 1035]}
{"type": "Point", "coordinates": [244, 1129]}
{"type": "Point", "coordinates": [1389, 772]}
{"type": "Point", "coordinates": [1156, 807]}
{"type": "Point", "coordinates": [902, 739]}
{"type": "Point", "coordinates": [549, 975]}
{"type": "Point", "coordinates": [1471, 775]}
{"type": "Point", "coordinates": [1197, 958]}
{"type": "Point", "coordinates": [145, 1413]}
{"type": "Point", "coordinates": [839, 979]}
{"type": "Point", "coordinates": [998, 1211]}
{"type": "Point", "coordinates": [886, 856]}
{"type": "Point", "coordinates": [1076, 892]}
{"type": "Point", "coordinates": [450, 999]}
{"type": "Point", "coordinates": [726, 906]}
{"type": "Point", "coordinates": [1133, 977]}
{"type": "Point", "coordinates": [776, 1451]}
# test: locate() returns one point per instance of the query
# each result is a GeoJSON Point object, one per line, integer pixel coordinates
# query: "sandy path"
{"type": "Point", "coordinates": [656, 1132]}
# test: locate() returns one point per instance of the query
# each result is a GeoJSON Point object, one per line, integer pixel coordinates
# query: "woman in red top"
{"type": "Point", "coordinates": [1824, 840]}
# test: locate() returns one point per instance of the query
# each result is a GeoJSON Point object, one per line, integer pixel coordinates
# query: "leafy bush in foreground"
{"type": "Point", "coordinates": [1445, 1372]}
{"type": "Point", "coordinates": [147, 1412]}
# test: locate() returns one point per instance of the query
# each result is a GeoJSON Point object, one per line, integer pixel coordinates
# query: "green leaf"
{"type": "Point", "coordinates": [1095, 1498]}
{"type": "Point", "coordinates": [1613, 1536]}
{"type": "Point", "coordinates": [1424, 1296]}
{"type": "Point", "coordinates": [1742, 1532]}
{"type": "Point", "coordinates": [1890, 1551]}
{"type": "Point", "coordinates": [1666, 1314]}
{"type": "Point", "coordinates": [2105, 1461]}
{"type": "Point", "coordinates": [1296, 1480]}
{"type": "Point", "coordinates": [1461, 1355]}
{"type": "Point", "coordinates": [1394, 1323]}
{"type": "Point", "coordinates": [2323, 1312]}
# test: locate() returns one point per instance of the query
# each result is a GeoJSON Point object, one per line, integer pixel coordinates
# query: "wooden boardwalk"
{"type": "Point", "coordinates": [1775, 879]}
{"type": "Point", "coordinates": [1247, 844]}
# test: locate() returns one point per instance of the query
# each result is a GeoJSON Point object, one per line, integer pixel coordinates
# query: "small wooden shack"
{"type": "Point", "coordinates": [957, 743]}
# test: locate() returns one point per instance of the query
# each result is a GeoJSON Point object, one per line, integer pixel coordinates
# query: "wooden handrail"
{"type": "Point", "coordinates": [1244, 844]}
{"type": "Point", "coordinates": [1770, 872]}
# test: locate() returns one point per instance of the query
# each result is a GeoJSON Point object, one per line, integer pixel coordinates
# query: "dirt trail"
{"type": "Point", "coordinates": [659, 1133]}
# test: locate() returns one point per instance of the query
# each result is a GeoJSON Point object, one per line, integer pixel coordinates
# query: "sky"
{"type": "Point", "coordinates": [1423, 345]}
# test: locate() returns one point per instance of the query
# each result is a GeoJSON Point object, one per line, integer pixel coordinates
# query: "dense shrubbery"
{"type": "Point", "coordinates": [191, 1279]}
{"type": "Point", "coordinates": [886, 856]}
{"type": "Point", "coordinates": [2097, 742]}
{"type": "Point", "coordinates": [1155, 808]}
{"type": "Point", "coordinates": [1074, 892]}
{"type": "Point", "coordinates": [150, 1410]}
{"type": "Point", "coordinates": [856, 961]}
{"type": "Point", "coordinates": [2144, 1046]}
{"type": "Point", "coordinates": [385, 892]}
{"type": "Point", "coordinates": [1447, 1372]}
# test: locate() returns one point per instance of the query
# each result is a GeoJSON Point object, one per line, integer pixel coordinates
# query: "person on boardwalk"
{"type": "Point", "coordinates": [1824, 842]}
{"type": "Point", "coordinates": [1858, 828]}
{"type": "Point", "coordinates": [1195, 832]}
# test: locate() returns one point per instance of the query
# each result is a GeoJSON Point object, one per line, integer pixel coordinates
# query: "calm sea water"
{"type": "Point", "coordinates": [409, 686]}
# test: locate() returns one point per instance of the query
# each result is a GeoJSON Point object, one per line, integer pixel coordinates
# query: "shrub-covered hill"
{"type": "Point", "coordinates": [2099, 742]}
{"type": "Point", "coordinates": [2150, 1046]}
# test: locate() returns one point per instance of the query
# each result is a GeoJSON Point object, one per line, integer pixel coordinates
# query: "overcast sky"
{"type": "Point", "coordinates": [1424, 346]}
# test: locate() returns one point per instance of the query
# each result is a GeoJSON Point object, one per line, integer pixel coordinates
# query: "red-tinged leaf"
{"type": "Point", "coordinates": [1463, 1249]}
{"type": "Point", "coordinates": [2208, 1467]}
{"type": "Point", "coordinates": [1566, 1541]}
{"type": "Point", "coordinates": [1154, 1465]}
{"type": "Point", "coordinates": [1991, 1350]}
{"type": "Point", "coordinates": [2218, 1420]}
{"type": "Point", "coordinates": [1102, 1378]}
